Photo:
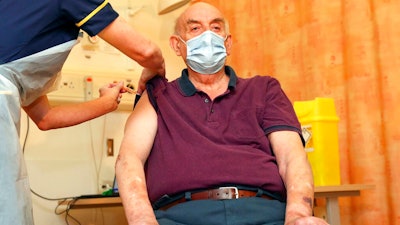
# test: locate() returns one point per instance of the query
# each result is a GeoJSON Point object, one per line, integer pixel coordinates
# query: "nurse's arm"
{"type": "Point", "coordinates": [122, 36]}
{"type": "Point", "coordinates": [48, 117]}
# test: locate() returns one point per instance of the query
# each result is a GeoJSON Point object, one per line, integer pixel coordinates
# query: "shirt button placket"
{"type": "Point", "coordinates": [206, 100]}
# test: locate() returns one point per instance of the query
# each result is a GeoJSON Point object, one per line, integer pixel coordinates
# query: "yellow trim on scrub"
{"type": "Point", "coordinates": [88, 17]}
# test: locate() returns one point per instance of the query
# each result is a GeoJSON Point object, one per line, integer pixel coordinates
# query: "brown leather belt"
{"type": "Point", "coordinates": [221, 193]}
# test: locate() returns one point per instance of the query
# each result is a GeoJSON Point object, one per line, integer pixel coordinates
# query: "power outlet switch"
{"type": "Point", "coordinates": [110, 147]}
{"type": "Point", "coordinates": [88, 88]}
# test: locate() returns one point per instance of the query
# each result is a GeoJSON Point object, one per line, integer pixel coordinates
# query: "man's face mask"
{"type": "Point", "coordinates": [206, 53]}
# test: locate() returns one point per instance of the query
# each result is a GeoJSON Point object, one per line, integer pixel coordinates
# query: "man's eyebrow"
{"type": "Point", "coordinates": [191, 21]}
{"type": "Point", "coordinates": [216, 20]}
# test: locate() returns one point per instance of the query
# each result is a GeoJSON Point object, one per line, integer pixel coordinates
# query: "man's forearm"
{"type": "Point", "coordinates": [133, 192]}
{"type": "Point", "coordinates": [137, 207]}
{"type": "Point", "coordinates": [300, 190]}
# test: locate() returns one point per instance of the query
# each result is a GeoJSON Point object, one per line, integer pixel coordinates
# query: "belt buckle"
{"type": "Point", "coordinates": [229, 193]}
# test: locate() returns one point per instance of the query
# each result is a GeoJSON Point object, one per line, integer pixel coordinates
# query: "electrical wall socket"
{"type": "Point", "coordinates": [88, 88]}
{"type": "Point", "coordinates": [70, 86]}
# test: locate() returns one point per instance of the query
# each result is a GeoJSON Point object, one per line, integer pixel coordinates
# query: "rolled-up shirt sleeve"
{"type": "Point", "coordinates": [279, 113]}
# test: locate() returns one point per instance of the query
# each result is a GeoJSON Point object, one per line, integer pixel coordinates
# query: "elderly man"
{"type": "Point", "coordinates": [210, 147]}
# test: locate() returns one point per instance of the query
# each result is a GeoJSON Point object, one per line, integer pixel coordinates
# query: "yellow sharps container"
{"type": "Point", "coordinates": [319, 124]}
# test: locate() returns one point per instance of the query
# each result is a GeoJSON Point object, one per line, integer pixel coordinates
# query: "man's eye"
{"type": "Point", "coordinates": [195, 28]}
{"type": "Point", "coordinates": [216, 28]}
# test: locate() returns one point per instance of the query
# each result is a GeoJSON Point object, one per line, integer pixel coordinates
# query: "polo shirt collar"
{"type": "Point", "coordinates": [188, 89]}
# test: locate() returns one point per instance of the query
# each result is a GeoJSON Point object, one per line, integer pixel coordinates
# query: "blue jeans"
{"type": "Point", "coordinates": [243, 211]}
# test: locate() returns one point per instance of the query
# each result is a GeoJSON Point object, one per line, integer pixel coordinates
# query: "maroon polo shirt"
{"type": "Point", "coordinates": [204, 144]}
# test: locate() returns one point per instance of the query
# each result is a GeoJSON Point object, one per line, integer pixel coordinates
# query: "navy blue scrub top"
{"type": "Point", "coordinates": [30, 26]}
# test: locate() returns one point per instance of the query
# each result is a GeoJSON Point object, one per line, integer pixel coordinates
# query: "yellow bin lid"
{"type": "Point", "coordinates": [319, 109]}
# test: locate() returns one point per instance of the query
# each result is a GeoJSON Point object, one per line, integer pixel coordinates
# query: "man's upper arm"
{"type": "Point", "coordinates": [141, 128]}
{"type": "Point", "coordinates": [286, 146]}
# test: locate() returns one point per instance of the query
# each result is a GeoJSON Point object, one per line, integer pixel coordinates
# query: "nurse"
{"type": "Point", "coordinates": [36, 38]}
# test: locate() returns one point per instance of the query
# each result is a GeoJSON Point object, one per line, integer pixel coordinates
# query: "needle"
{"type": "Point", "coordinates": [130, 90]}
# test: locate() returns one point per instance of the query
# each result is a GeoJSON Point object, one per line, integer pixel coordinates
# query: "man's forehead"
{"type": "Point", "coordinates": [200, 13]}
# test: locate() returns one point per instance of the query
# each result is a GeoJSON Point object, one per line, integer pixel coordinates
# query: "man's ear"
{"type": "Point", "coordinates": [228, 44]}
{"type": "Point", "coordinates": [175, 44]}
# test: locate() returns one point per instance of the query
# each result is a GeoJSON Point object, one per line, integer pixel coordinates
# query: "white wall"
{"type": "Point", "coordinates": [72, 161]}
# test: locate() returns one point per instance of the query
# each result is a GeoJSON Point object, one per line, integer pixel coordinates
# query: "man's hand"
{"type": "Point", "coordinates": [309, 220]}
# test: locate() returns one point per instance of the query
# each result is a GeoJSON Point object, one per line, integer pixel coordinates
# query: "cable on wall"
{"type": "Point", "coordinates": [71, 200]}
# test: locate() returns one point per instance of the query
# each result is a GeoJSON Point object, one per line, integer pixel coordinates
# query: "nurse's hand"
{"type": "Point", "coordinates": [113, 91]}
{"type": "Point", "coordinates": [146, 75]}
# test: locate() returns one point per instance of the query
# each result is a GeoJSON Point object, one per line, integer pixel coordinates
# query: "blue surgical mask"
{"type": "Point", "coordinates": [206, 53]}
